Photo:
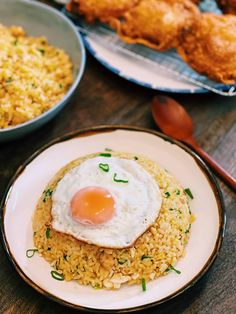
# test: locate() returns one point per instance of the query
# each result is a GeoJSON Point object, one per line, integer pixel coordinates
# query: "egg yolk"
{"type": "Point", "coordinates": [92, 206]}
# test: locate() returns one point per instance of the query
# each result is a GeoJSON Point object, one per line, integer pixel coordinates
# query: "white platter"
{"type": "Point", "coordinates": [30, 180]}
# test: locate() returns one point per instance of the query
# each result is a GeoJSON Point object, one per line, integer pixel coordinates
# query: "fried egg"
{"type": "Point", "coordinates": [106, 201]}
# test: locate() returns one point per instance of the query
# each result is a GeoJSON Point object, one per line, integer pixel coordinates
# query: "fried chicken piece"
{"type": "Point", "coordinates": [156, 23]}
{"type": "Point", "coordinates": [209, 47]}
{"type": "Point", "coordinates": [101, 9]}
{"type": "Point", "coordinates": [227, 6]}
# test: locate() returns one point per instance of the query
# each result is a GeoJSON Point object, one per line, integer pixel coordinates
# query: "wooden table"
{"type": "Point", "coordinates": [104, 98]}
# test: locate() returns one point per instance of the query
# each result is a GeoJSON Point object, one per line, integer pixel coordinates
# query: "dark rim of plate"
{"type": "Point", "coordinates": [110, 128]}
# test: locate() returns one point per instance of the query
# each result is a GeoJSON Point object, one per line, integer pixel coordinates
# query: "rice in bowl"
{"type": "Point", "coordinates": [153, 254]}
{"type": "Point", "coordinates": [34, 76]}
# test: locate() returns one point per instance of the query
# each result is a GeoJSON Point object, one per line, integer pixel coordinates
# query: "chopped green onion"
{"type": "Point", "coordinates": [47, 194]}
{"type": "Point", "coordinates": [105, 154]}
{"type": "Point", "coordinates": [167, 194]}
{"type": "Point", "coordinates": [9, 80]}
{"type": "Point", "coordinates": [189, 210]}
{"type": "Point", "coordinates": [15, 42]}
{"type": "Point", "coordinates": [97, 286]}
{"type": "Point", "coordinates": [104, 167]}
{"type": "Point", "coordinates": [119, 180]}
{"type": "Point", "coordinates": [57, 275]}
{"type": "Point", "coordinates": [175, 270]}
{"type": "Point", "coordinates": [171, 267]}
{"type": "Point", "coordinates": [145, 257]}
{"type": "Point", "coordinates": [47, 233]}
{"type": "Point", "coordinates": [61, 85]}
{"type": "Point", "coordinates": [108, 149]}
{"type": "Point", "coordinates": [135, 158]}
{"type": "Point", "coordinates": [188, 192]}
{"type": "Point", "coordinates": [178, 192]}
{"type": "Point", "coordinates": [178, 210]}
{"type": "Point", "coordinates": [187, 231]}
{"type": "Point", "coordinates": [42, 51]}
{"type": "Point", "coordinates": [144, 287]}
{"type": "Point", "coordinates": [122, 261]}
{"type": "Point", "coordinates": [30, 253]}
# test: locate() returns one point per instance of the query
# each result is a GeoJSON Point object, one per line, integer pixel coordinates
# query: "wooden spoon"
{"type": "Point", "coordinates": [174, 121]}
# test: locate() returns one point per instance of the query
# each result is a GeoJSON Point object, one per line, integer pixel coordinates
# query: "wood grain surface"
{"type": "Point", "coordinates": [104, 98]}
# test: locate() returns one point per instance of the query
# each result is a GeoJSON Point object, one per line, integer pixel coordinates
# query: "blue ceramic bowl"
{"type": "Point", "coordinates": [41, 20]}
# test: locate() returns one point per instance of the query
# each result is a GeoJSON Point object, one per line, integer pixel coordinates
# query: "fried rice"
{"type": "Point", "coordinates": [154, 253]}
{"type": "Point", "coordinates": [34, 76]}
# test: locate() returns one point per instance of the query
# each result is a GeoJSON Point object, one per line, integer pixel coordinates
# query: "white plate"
{"type": "Point", "coordinates": [30, 180]}
{"type": "Point", "coordinates": [140, 72]}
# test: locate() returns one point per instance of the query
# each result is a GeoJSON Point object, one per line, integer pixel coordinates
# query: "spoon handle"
{"type": "Point", "coordinates": [225, 176]}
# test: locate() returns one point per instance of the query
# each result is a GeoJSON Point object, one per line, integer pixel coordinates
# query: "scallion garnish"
{"type": "Point", "coordinates": [145, 257]}
{"type": "Point", "coordinates": [143, 282]}
{"type": "Point", "coordinates": [177, 192]}
{"type": "Point", "coordinates": [48, 232]}
{"type": "Point", "coordinates": [96, 286]}
{"type": "Point", "coordinates": [105, 154]}
{"type": "Point", "coordinates": [30, 253]}
{"type": "Point", "coordinates": [47, 194]}
{"type": "Point", "coordinates": [61, 85]}
{"type": "Point", "coordinates": [65, 257]}
{"type": "Point", "coordinates": [178, 210]}
{"type": "Point", "coordinates": [122, 261]}
{"type": "Point", "coordinates": [119, 180]}
{"type": "Point", "coordinates": [167, 194]}
{"type": "Point", "coordinates": [189, 210]}
{"type": "Point", "coordinates": [188, 192]}
{"type": "Point", "coordinates": [171, 267]}
{"type": "Point", "coordinates": [104, 167]}
{"type": "Point", "coordinates": [175, 270]}
{"type": "Point", "coordinates": [187, 231]}
{"type": "Point", "coordinates": [9, 80]}
{"type": "Point", "coordinates": [42, 51]}
{"type": "Point", "coordinates": [57, 275]}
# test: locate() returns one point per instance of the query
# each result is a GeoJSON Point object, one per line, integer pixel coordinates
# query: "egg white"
{"type": "Point", "coordinates": [138, 202]}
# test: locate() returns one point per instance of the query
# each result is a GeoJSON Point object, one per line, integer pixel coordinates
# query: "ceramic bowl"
{"type": "Point", "coordinates": [41, 20]}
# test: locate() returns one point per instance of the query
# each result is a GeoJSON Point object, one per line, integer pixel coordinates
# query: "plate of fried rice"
{"type": "Point", "coordinates": [112, 218]}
